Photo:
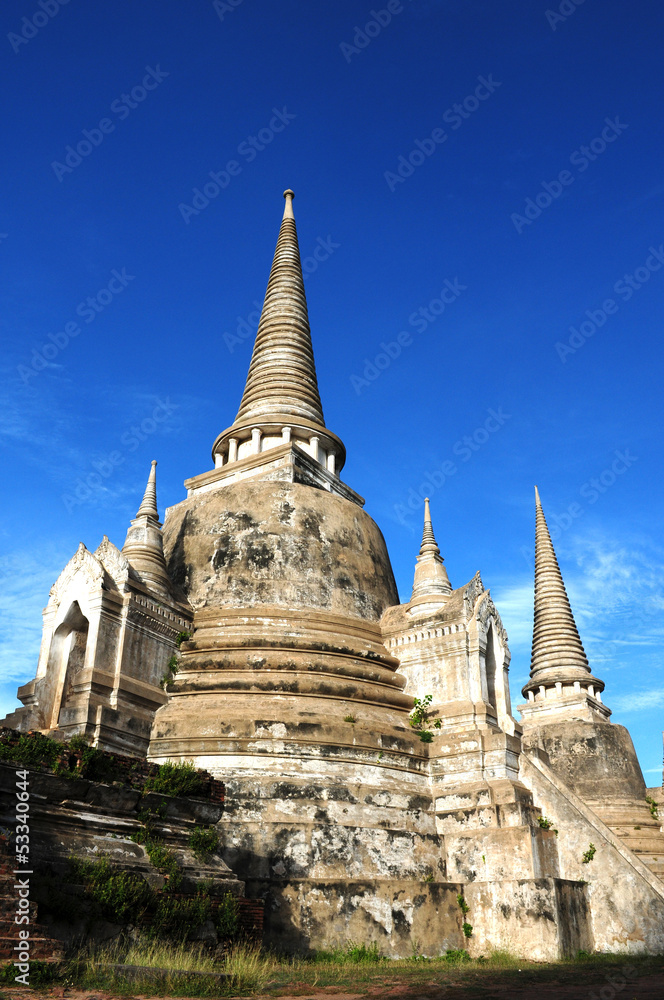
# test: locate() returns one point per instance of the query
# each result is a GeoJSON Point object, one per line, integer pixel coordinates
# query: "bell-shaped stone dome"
{"type": "Point", "coordinates": [258, 542]}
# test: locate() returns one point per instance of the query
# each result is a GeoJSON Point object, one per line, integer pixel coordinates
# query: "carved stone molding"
{"type": "Point", "coordinates": [114, 562]}
{"type": "Point", "coordinates": [83, 562]}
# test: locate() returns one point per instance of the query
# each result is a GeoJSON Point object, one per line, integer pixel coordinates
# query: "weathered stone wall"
{"type": "Point", "coordinates": [598, 762]}
{"type": "Point", "coordinates": [331, 827]}
{"type": "Point", "coordinates": [287, 690]}
{"type": "Point", "coordinates": [457, 653]}
{"type": "Point", "coordinates": [626, 901]}
{"type": "Point", "coordinates": [538, 918]}
{"type": "Point", "coordinates": [106, 642]}
{"type": "Point", "coordinates": [399, 916]}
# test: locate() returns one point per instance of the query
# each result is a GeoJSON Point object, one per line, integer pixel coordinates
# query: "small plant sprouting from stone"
{"type": "Point", "coordinates": [589, 854]}
{"type": "Point", "coordinates": [380, 755]}
{"type": "Point", "coordinates": [428, 878]}
{"type": "Point", "coordinates": [547, 824]}
{"type": "Point", "coordinates": [350, 718]}
{"type": "Point", "coordinates": [203, 841]}
{"type": "Point", "coordinates": [176, 778]}
{"type": "Point", "coordinates": [173, 666]}
{"type": "Point", "coordinates": [419, 718]}
{"type": "Point", "coordinates": [654, 811]}
{"type": "Point", "coordinates": [484, 859]}
{"type": "Point", "coordinates": [163, 859]}
{"type": "Point", "coordinates": [463, 906]}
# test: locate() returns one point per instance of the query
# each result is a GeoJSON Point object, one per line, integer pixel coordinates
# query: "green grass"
{"type": "Point", "coordinates": [40, 973]}
{"type": "Point", "coordinates": [356, 968]}
{"type": "Point", "coordinates": [352, 954]}
{"type": "Point", "coordinates": [184, 967]}
{"type": "Point", "coordinates": [454, 969]}
{"type": "Point", "coordinates": [153, 954]}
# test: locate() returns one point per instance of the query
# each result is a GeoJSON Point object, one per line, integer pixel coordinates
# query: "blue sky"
{"type": "Point", "coordinates": [481, 186]}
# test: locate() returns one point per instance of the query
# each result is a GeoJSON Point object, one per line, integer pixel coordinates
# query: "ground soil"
{"type": "Point", "coordinates": [565, 983]}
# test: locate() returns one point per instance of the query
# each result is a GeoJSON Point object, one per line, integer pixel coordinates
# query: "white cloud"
{"type": "Point", "coordinates": [639, 701]}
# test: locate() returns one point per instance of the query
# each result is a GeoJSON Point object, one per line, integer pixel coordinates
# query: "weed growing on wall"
{"type": "Point", "coordinates": [180, 778]}
{"type": "Point", "coordinates": [122, 897]}
{"type": "Point", "coordinates": [589, 854]}
{"type": "Point", "coordinates": [126, 898]}
{"type": "Point", "coordinates": [463, 906]}
{"type": "Point", "coordinates": [203, 841]}
{"type": "Point", "coordinates": [76, 758]}
{"type": "Point", "coordinates": [419, 718]}
{"type": "Point", "coordinates": [32, 750]}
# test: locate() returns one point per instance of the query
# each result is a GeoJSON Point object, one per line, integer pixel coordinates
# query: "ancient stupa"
{"type": "Point", "coordinates": [353, 818]}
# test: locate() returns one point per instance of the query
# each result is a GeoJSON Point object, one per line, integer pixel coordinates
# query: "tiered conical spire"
{"type": "Point", "coordinates": [149, 502]}
{"type": "Point", "coordinates": [556, 640]}
{"type": "Point", "coordinates": [144, 545]}
{"type": "Point", "coordinates": [558, 657]}
{"type": "Point", "coordinates": [282, 374]}
{"type": "Point", "coordinates": [281, 403]}
{"type": "Point", "coordinates": [430, 573]}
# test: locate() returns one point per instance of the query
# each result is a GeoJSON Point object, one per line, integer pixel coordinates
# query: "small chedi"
{"type": "Point", "coordinates": [378, 785]}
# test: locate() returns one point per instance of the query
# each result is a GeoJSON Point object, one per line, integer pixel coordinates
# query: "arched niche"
{"type": "Point", "coordinates": [67, 657]}
{"type": "Point", "coordinates": [491, 669]}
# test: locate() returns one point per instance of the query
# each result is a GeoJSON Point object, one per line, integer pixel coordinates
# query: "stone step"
{"type": "Point", "coordinates": [42, 948]}
{"type": "Point", "coordinates": [650, 828]}
{"type": "Point", "coordinates": [651, 860]}
{"type": "Point", "coordinates": [8, 912]}
{"type": "Point", "coordinates": [8, 928]}
{"type": "Point", "coordinates": [641, 844]}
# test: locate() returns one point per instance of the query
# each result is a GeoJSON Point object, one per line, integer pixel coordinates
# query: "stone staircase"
{"type": "Point", "coordinates": [639, 830]}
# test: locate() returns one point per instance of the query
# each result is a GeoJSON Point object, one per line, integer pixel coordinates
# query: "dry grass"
{"type": "Point", "coordinates": [251, 970]}
{"type": "Point", "coordinates": [177, 969]}
{"type": "Point", "coordinates": [353, 969]}
{"type": "Point", "coordinates": [155, 955]}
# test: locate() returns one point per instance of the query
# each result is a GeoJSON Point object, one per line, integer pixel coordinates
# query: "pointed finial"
{"type": "Point", "coordinates": [288, 207]}
{"type": "Point", "coordinates": [144, 544]}
{"type": "Point", "coordinates": [281, 397]}
{"type": "Point", "coordinates": [430, 573]}
{"type": "Point", "coordinates": [282, 372]}
{"type": "Point", "coordinates": [148, 506]}
{"type": "Point", "coordinates": [428, 538]}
